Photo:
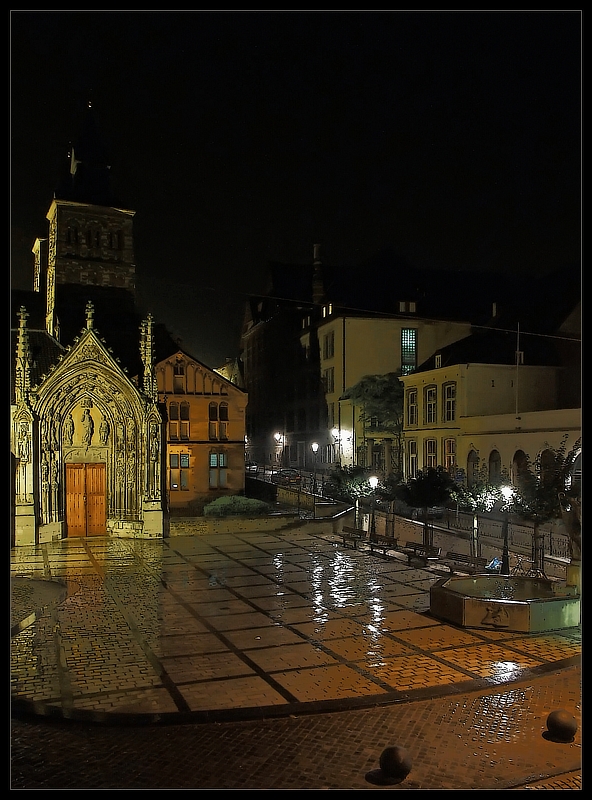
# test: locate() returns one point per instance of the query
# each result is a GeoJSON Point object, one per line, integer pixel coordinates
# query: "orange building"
{"type": "Point", "coordinates": [205, 433]}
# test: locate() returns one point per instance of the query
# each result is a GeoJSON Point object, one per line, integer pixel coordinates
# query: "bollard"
{"type": "Point", "coordinates": [562, 725]}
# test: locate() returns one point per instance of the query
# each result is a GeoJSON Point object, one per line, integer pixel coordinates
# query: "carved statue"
{"type": "Point", "coordinates": [68, 429]}
{"type": "Point", "coordinates": [104, 431]}
{"type": "Point", "coordinates": [23, 442]}
{"type": "Point", "coordinates": [88, 427]}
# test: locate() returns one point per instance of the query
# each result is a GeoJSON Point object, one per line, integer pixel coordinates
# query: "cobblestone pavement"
{"type": "Point", "coordinates": [266, 660]}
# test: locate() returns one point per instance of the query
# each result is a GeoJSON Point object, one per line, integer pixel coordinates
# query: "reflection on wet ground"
{"type": "Point", "coordinates": [254, 622]}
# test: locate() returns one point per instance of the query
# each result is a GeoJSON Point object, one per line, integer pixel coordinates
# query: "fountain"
{"type": "Point", "coordinates": [506, 602]}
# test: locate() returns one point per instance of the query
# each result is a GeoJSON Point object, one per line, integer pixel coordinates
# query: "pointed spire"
{"type": "Point", "coordinates": [87, 179]}
{"type": "Point", "coordinates": [90, 310]}
{"type": "Point", "coordinates": [147, 354]}
{"type": "Point", "coordinates": [23, 358]}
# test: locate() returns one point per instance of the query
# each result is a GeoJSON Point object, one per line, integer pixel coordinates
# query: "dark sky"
{"type": "Point", "coordinates": [240, 138]}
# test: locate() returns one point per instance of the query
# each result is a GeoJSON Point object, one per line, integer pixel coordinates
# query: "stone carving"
{"type": "Point", "coordinates": [104, 431]}
{"type": "Point", "coordinates": [68, 430]}
{"type": "Point", "coordinates": [88, 427]}
{"type": "Point", "coordinates": [23, 443]}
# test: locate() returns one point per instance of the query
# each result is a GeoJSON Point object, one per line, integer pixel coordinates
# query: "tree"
{"type": "Point", "coordinates": [431, 487]}
{"type": "Point", "coordinates": [380, 397]}
{"type": "Point", "coordinates": [544, 492]}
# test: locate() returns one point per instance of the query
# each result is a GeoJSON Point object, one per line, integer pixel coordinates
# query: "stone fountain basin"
{"type": "Point", "coordinates": [512, 603]}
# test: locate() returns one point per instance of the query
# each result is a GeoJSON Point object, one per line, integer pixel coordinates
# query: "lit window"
{"type": "Point", "coordinates": [408, 350]}
{"type": "Point", "coordinates": [179, 471]}
{"type": "Point", "coordinates": [218, 470]}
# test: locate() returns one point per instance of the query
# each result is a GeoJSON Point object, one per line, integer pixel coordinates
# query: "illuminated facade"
{"type": "Point", "coordinates": [86, 440]}
{"type": "Point", "coordinates": [352, 347]}
{"type": "Point", "coordinates": [205, 433]}
{"type": "Point", "coordinates": [483, 418]}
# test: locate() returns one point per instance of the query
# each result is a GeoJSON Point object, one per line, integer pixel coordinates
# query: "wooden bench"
{"type": "Point", "coordinates": [469, 564]}
{"type": "Point", "coordinates": [351, 536]}
{"type": "Point", "coordinates": [383, 543]}
{"type": "Point", "coordinates": [416, 551]}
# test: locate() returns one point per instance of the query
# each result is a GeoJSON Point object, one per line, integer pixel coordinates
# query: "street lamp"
{"type": "Point", "coordinates": [314, 447]}
{"type": "Point", "coordinates": [507, 493]}
{"type": "Point", "coordinates": [280, 448]}
{"type": "Point", "coordinates": [373, 481]}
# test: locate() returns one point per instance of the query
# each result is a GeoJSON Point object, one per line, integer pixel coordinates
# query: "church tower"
{"type": "Point", "coordinates": [90, 234]}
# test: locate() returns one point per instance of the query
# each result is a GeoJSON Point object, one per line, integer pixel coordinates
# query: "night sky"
{"type": "Point", "coordinates": [239, 138]}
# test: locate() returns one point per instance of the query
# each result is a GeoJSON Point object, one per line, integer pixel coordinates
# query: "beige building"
{"type": "Point", "coordinates": [484, 420]}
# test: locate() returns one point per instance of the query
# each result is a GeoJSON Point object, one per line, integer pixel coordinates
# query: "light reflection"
{"type": "Point", "coordinates": [505, 670]}
{"type": "Point", "coordinates": [506, 709]}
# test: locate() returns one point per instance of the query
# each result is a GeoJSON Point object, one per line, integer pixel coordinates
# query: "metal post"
{"type": "Point", "coordinates": [505, 570]}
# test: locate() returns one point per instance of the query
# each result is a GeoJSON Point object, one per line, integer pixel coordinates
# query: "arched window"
{"type": "Point", "coordinates": [495, 468]}
{"type": "Point", "coordinates": [185, 420]}
{"type": "Point", "coordinates": [213, 418]}
{"type": "Point", "coordinates": [430, 405]}
{"type": "Point", "coordinates": [179, 378]}
{"type": "Point", "coordinates": [223, 412]}
{"type": "Point", "coordinates": [519, 468]}
{"type": "Point", "coordinates": [449, 400]}
{"type": "Point", "coordinates": [472, 468]}
{"type": "Point", "coordinates": [173, 421]}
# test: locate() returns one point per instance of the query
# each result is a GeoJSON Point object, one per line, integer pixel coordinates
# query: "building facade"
{"type": "Point", "coordinates": [86, 443]}
{"type": "Point", "coordinates": [205, 433]}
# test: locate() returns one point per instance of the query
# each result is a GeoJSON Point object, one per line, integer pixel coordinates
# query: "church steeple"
{"type": "Point", "coordinates": [87, 177]}
{"type": "Point", "coordinates": [90, 239]}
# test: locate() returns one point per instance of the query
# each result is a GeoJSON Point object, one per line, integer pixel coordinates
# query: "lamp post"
{"type": "Point", "coordinates": [314, 447]}
{"type": "Point", "coordinates": [507, 493]}
{"type": "Point", "coordinates": [280, 448]}
{"type": "Point", "coordinates": [373, 481]}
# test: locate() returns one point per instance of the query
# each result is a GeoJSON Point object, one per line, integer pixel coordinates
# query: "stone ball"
{"type": "Point", "coordinates": [562, 725]}
{"type": "Point", "coordinates": [395, 762]}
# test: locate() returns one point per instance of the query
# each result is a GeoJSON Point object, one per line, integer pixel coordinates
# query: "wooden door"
{"type": "Point", "coordinates": [86, 500]}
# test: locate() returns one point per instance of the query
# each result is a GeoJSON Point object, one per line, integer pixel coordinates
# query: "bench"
{"type": "Point", "coordinates": [469, 563]}
{"type": "Point", "coordinates": [383, 543]}
{"type": "Point", "coordinates": [351, 536]}
{"type": "Point", "coordinates": [421, 552]}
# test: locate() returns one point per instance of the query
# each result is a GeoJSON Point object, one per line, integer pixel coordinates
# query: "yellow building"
{"type": "Point", "coordinates": [354, 346]}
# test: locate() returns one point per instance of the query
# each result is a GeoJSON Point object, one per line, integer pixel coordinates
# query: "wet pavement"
{"type": "Point", "coordinates": [270, 660]}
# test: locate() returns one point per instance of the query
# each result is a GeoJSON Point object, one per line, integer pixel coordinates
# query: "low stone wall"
{"type": "Point", "coordinates": [199, 526]}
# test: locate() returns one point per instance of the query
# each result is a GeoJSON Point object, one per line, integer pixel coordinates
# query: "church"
{"type": "Point", "coordinates": [90, 429]}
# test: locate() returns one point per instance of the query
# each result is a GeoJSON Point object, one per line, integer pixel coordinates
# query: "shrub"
{"type": "Point", "coordinates": [236, 505]}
